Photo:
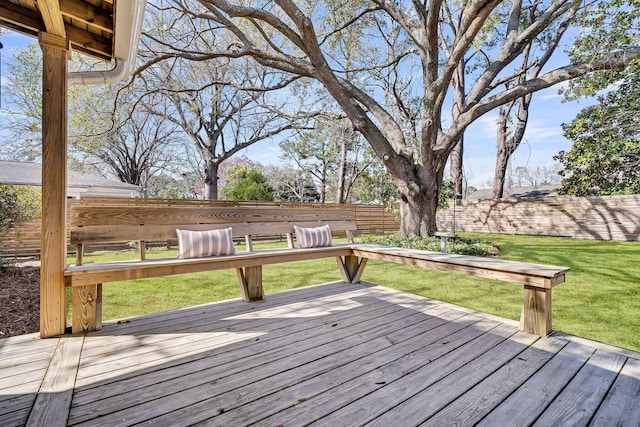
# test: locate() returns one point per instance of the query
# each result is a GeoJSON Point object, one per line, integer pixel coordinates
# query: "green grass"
{"type": "Point", "coordinates": [600, 299]}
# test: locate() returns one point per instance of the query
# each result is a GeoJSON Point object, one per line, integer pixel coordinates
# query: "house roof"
{"type": "Point", "coordinates": [22, 173]}
{"type": "Point", "coordinates": [89, 25]}
{"type": "Point", "coordinates": [517, 192]}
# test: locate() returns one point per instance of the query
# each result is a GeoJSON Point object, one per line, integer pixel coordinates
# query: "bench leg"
{"type": "Point", "coordinates": [536, 311]}
{"type": "Point", "coordinates": [250, 279]}
{"type": "Point", "coordinates": [87, 308]}
{"type": "Point", "coordinates": [351, 268]}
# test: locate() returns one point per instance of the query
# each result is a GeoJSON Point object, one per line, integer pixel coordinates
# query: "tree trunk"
{"type": "Point", "coordinates": [419, 194]}
{"type": "Point", "coordinates": [211, 181]}
{"type": "Point", "coordinates": [456, 157]}
{"type": "Point", "coordinates": [456, 166]}
{"type": "Point", "coordinates": [342, 172]}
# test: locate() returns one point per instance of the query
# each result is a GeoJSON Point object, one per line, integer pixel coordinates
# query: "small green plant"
{"type": "Point", "coordinates": [18, 203]}
{"type": "Point", "coordinates": [456, 245]}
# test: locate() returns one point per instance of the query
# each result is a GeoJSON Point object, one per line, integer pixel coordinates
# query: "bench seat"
{"type": "Point", "coordinates": [88, 274]}
{"type": "Point", "coordinates": [538, 280]}
{"type": "Point", "coordinates": [538, 275]}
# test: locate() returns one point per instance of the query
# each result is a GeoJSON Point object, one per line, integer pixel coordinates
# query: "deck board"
{"type": "Point", "coordinates": [333, 354]}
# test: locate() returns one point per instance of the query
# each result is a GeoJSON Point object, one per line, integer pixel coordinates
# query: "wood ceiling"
{"type": "Point", "coordinates": [87, 24]}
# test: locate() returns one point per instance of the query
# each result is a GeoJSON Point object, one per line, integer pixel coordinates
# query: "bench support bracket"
{"type": "Point", "coordinates": [250, 279]}
{"type": "Point", "coordinates": [536, 311]}
{"type": "Point", "coordinates": [87, 308]}
{"type": "Point", "coordinates": [351, 268]}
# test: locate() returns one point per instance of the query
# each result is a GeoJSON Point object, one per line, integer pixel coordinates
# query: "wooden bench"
{"type": "Point", "coordinates": [93, 222]}
{"type": "Point", "coordinates": [103, 221]}
{"type": "Point", "coordinates": [538, 279]}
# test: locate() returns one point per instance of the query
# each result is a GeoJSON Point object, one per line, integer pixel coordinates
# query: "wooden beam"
{"type": "Point", "coordinates": [53, 22]}
{"type": "Point", "coordinates": [20, 18]}
{"type": "Point", "coordinates": [88, 14]}
{"type": "Point", "coordinates": [53, 296]}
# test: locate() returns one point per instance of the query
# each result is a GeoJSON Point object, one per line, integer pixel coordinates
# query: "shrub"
{"type": "Point", "coordinates": [456, 245]}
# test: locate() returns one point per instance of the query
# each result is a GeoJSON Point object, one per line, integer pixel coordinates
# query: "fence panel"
{"type": "Point", "coordinates": [24, 240]}
{"type": "Point", "coordinates": [601, 218]}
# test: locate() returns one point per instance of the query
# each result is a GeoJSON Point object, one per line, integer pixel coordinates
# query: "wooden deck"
{"type": "Point", "coordinates": [334, 354]}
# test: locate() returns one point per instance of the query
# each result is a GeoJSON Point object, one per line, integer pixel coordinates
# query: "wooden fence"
{"type": "Point", "coordinates": [24, 240]}
{"type": "Point", "coordinates": [602, 218]}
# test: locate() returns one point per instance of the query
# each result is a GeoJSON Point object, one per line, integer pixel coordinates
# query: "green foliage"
{"type": "Point", "coordinates": [606, 26]}
{"type": "Point", "coordinates": [18, 203]}
{"type": "Point", "coordinates": [456, 245]}
{"type": "Point", "coordinates": [375, 185]}
{"type": "Point", "coordinates": [605, 157]}
{"type": "Point", "coordinates": [246, 183]}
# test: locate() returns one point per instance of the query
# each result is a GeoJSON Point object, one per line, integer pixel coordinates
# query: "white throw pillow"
{"type": "Point", "coordinates": [313, 237]}
{"type": "Point", "coordinates": [194, 244]}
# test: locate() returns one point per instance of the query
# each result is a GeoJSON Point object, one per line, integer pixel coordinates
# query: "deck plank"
{"type": "Point", "coordinates": [436, 351]}
{"type": "Point", "coordinates": [430, 397]}
{"type": "Point", "coordinates": [295, 370]}
{"type": "Point", "coordinates": [51, 407]}
{"type": "Point", "coordinates": [622, 403]}
{"type": "Point", "coordinates": [333, 354]}
{"type": "Point", "coordinates": [282, 344]}
{"type": "Point", "coordinates": [581, 398]}
{"type": "Point", "coordinates": [238, 372]}
{"type": "Point", "coordinates": [541, 389]}
{"type": "Point", "coordinates": [478, 402]}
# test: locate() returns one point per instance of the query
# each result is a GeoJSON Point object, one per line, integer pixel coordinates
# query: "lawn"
{"type": "Point", "coordinates": [600, 299]}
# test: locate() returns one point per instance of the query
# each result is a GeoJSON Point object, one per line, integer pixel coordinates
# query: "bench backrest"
{"type": "Point", "coordinates": [97, 221]}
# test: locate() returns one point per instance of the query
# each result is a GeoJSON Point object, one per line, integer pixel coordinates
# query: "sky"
{"type": "Point", "coordinates": [543, 138]}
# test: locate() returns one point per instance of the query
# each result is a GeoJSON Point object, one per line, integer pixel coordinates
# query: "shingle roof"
{"type": "Point", "coordinates": [518, 192]}
{"type": "Point", "coordinates": [23, 173]}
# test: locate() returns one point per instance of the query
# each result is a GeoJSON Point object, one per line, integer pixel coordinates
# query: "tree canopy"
{"type": "Point", "coordinates": [390, 66]}
{"type": "Point", "coordinates": [246, 183]}
{"type": "Point", "coordinates": [605, 156]}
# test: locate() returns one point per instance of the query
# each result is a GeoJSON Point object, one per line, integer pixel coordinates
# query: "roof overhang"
{"type": "Point", "coordinates": [105, 29]}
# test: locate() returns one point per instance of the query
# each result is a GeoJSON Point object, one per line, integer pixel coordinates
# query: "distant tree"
{"type": "Point", "coordinates": [300, 38]}
{"type": "Point", "coordinates": [376, 185]}
{"type": "Point", "coordinates": [291, 184]}
{"type": "Point", "coordinates": [246, 183]}
{"type": "Point", "coordinates": [333, 154]}
{"type": "Point", "coordinates": [222, 107]}
{"type": "Point", "coordinates": [605, 156]}
{"type": "Point", "coordinates": [537, 176]}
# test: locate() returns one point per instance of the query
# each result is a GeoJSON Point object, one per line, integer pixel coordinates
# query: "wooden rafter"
{"type": "Point", "coordinates": [52, 18]}
{"type": "Point", "coordinates": [88, 14]}
{"type": "Point", "coordinates": [88, 25]}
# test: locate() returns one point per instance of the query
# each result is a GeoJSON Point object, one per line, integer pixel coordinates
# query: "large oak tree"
{"type": "Point", "coordinates": [404, 120]}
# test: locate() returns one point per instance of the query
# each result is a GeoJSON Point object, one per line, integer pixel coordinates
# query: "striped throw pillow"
{"type": "Point", "coordinates": [313, 237]}
{"type": "Point", "coordinates": [194, 244]}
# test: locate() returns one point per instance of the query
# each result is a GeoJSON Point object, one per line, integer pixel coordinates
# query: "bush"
{"type": "Point", "coordinates": [17, 204]}
{"type": "Point", "coordinates": [456, 245]}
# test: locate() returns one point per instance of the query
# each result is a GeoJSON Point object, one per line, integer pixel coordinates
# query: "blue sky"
{"type": "Point", "coordinates": [543, 138]}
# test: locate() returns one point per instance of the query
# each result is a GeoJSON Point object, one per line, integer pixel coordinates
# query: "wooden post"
{"type": "Point", "coordinates": [53, 299]}
{"type": "Point", "coordinates": [250, 279]}
{"type": "Point", "coordinates": [536, 311]}
{"type": "Point", "coordinates": [351, 268]}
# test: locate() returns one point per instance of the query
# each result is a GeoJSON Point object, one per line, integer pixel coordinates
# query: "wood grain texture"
{"type": "Point", "coordinates": [54, 186]}
{"type": "Point", "coordinates": [538, 275]}
{"type": "Point", "coordinates": [87, 308]}
{"type": "Point", "coordinates": [322, 355]}
{"type": "Point", "coordinates": [52, 405]}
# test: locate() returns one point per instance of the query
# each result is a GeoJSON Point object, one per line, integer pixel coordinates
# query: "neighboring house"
{"type": "Point", "coordinates": [78, 184]}
{"type": "Point", "coordinates": [517, 192]}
